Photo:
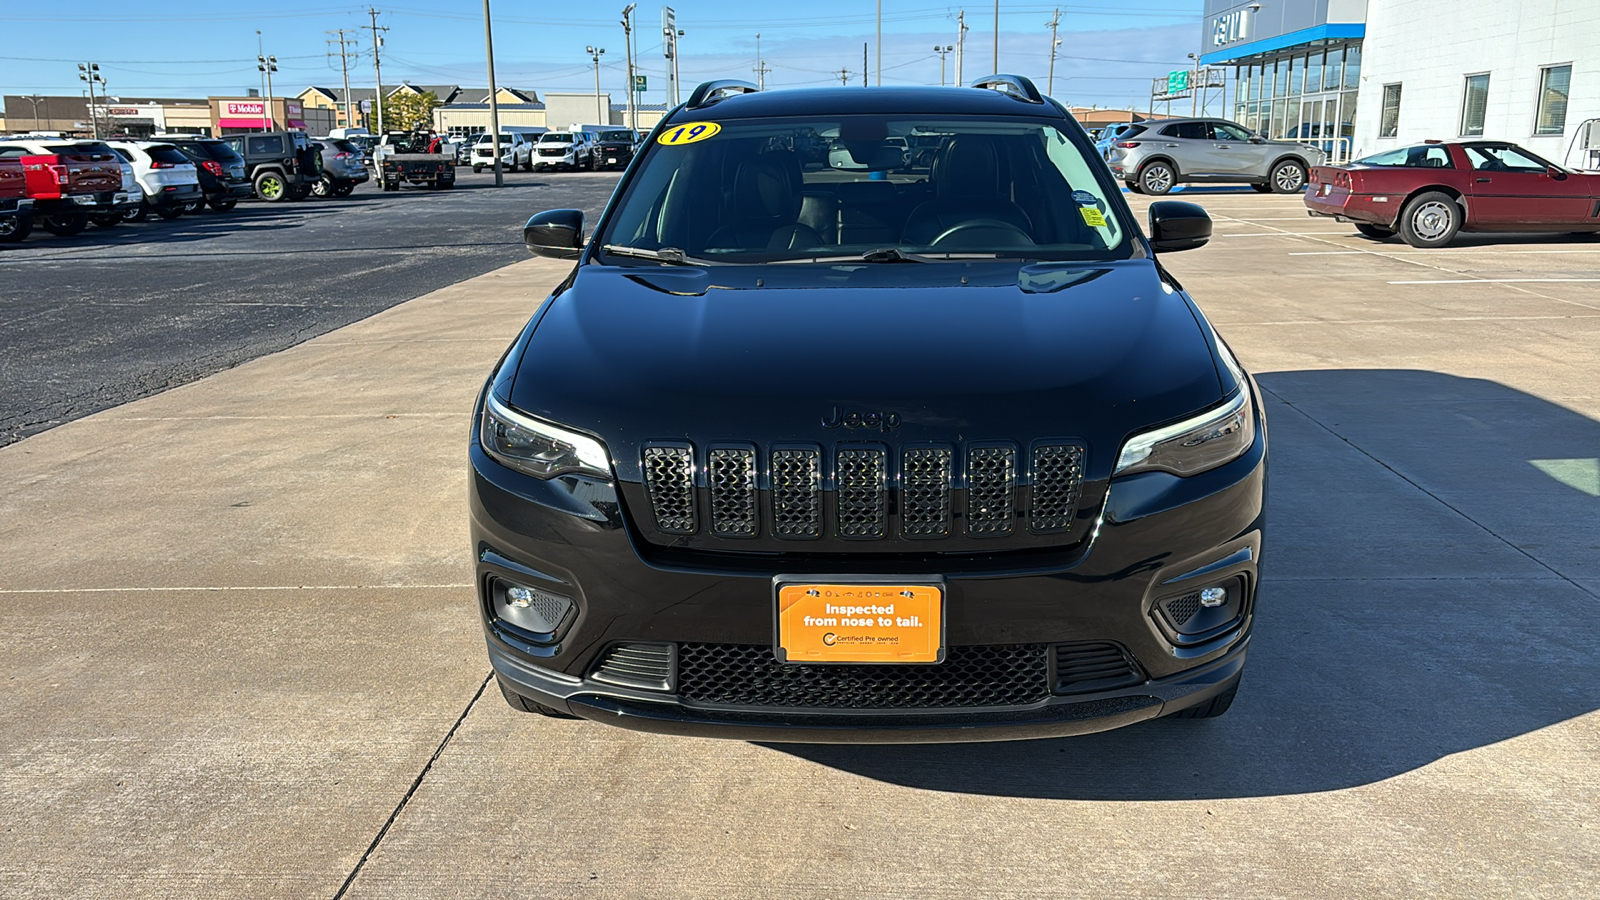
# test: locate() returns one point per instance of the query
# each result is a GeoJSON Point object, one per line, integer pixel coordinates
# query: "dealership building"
{"type": "Point", "coordinates": [1362, 76]}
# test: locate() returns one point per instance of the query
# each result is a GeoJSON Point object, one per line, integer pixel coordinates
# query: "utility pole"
{"type": "Point", "coordinates": [627, 46]}
{"type": "Point", "coordinates": [941, 51]}
{"type": "Point", "coordinates": [996, 69]}
{"type": "Point", "coordinates": [961, 42]}
{"type": "Point", "coordinates": [669, 48]}
{"type": "Point", "coordinates": [844, 81]}
{"type": "Point", "coordinates": [863, 63]}
{"type": "Point", "coordinates": [1050, 83]}
{"type": "Point", "coordinates": [266, 65]}
{"type": "Point", "coordinates": [598, 52]}
{"type": "Point", "coordinates": [880, 43]}
{"type": "Point", "coordinates": [344, 70]}
{"type": "Point", "coordinates": [377, 70]}
{"type": "Point", "coordinates": [89, 72]}
{"type": "Point", "coordinates": [1194, 89]}
{"type": "Point", "coordinates": [494, 102]}
{"type": "Point", "coordinates": [761, 69]}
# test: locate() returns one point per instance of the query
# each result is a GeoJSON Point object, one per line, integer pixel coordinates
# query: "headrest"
{"type": "Point", "coordinates": [764, 188]}
{"type": "Point", "coordinates": [968, 166]}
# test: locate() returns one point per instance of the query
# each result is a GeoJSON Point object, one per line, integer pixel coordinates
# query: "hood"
{"type": "Point", "coordinates": [775, 353]}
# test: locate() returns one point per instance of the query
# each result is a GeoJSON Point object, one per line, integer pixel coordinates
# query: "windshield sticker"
{"type": "Point", "coordinates": [1092, 216]}
{"type": "Point", "coordinates": [688, 134]}
{"type": "Point", "coordinates": [1085, 198]}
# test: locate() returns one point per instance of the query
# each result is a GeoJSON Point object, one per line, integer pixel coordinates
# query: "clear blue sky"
{"type": "Point", "coordinates": [1109, 50]}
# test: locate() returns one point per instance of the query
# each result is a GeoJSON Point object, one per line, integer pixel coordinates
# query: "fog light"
{"type": "Point", "coordinates": [522, 597]}
{"type": "Point", "coordinates": [532, 612]}
{"type": "Point", "coordinates": [1213, 597]}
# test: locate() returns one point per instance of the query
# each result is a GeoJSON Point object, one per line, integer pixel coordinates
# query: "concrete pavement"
{"type": "Point", "coordinates": [237, 634]}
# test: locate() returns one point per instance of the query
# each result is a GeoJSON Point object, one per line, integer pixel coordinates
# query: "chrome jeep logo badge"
{"type": "Point", "coordinates": [880, 420]}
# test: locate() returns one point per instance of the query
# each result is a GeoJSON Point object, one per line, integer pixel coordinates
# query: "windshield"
{"type": "Point", "coordinates": [618, 136]}
{"type": "Point", "coordinates": [1422, 156]}
{"type": "Point", "coordinates": [555, 139]}
{"type": "Point", "coordinates": [849, 187]}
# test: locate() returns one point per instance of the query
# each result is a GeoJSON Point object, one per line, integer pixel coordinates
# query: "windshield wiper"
{"type": "Point", "coordinates": [895, 255]}
{"type": "Point", "coordinates": [666, 254]}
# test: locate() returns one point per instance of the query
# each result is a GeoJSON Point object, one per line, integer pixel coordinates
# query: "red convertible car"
{"type": "Point", "coordinates": [1429, 191]}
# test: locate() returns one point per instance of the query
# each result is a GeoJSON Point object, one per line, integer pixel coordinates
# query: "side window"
{"type": "Point", "coordinates": [1503, 159]}
{"type": "Point", "coordinates": [262, 146]}
{"type": "Point", "coordinates": [1189, 131]}
{"type": "Point", "coordinates": [12, 152]}
{"type": "Point", "coordinates": [1170, 131]}
{"type": "Point", "coordinates": [1225, 131]}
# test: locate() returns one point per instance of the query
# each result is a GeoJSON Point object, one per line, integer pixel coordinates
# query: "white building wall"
{"type": "Point", "coordinates": [1430, 46]}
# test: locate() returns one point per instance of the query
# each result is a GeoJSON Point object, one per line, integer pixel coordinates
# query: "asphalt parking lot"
{"type": "Point", "coordinates": [111, 315]}
{"type": "Point", "coordinates": [241, 657]}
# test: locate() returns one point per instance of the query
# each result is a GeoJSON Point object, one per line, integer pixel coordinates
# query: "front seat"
{"type": "Point", "coordinates": [766, 208]}
{"type": "Point", "coordinates": [967, 187]}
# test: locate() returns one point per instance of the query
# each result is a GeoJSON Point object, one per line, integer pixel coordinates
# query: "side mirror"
{"type": "Point", "coordinates": [1176, 225]}
{"type": "Point", "coordinates": [1257, 139]}
{"type": "Point", "coordinates": [558, 233]}
{"type": "Point", "coordinates": [1555, 172]}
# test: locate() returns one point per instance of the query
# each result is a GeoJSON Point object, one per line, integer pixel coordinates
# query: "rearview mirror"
{"type": "Point", "coordinates": [1176, 225]}
{"type": "Point", "coordinates": [557, 234]}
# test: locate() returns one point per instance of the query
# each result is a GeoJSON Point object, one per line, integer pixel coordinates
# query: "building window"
{"type": "Point", "coordinates": [1474, 105]}
{"type": "Point", "coordinates": [1390, 126]}
{"type": "Point", "coordinates": [1352, 67]}
{"type": "Point", "coordinates": [1555, 83]}
{"type": "Point", "coordinates": [1314, 73]}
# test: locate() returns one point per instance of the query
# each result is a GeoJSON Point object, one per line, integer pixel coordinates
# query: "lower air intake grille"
{"type": "Point", "coordinates": [1099, 666]}
{"type": "Point", "coordinates": [1181, 609]}
{"type": "Point", "coordinates": [1057, 475]}
{"type": "Point", "coordinates": [749, 675]}
{"type": "Point", "coordinates": [669, 476]}
{"type": "Point", "coordinates": [647, 666]}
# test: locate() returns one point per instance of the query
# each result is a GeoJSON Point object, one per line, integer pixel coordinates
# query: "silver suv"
{"type": "Point", "coordinates": [1154, 157]}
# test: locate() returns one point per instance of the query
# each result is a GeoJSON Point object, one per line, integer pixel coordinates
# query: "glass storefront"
{"type": "Point", "coordinates": [1303, 93]}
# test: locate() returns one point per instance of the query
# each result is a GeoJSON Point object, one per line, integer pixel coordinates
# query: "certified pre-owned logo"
{"type": "Point", "coordinates": [881, 420]}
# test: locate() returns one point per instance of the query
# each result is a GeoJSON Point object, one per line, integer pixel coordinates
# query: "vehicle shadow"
{"type": "Point", "coordinates": [1494, 239]}
{"type": "Point", "coordinates": [1391, 630]}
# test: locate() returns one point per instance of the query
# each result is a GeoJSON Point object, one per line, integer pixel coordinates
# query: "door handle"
{"type": "Point", "coordinates": [1483, 180]}
{"type": "Point", "coordinates": [1222, 146]}
{"type": "Point", "coordinates": [1172, 145]}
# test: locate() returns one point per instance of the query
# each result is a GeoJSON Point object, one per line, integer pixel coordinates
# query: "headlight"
{"type": "Point", "coordinates": [538, 448]}
{"type": "Point", "coordinates": [1194, 445]}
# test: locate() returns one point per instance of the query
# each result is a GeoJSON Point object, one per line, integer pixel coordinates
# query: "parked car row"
{"type": "Point", "coordinates": [1155, 157]}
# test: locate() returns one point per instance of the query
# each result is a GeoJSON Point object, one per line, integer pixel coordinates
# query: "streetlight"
{"type": "Point", "coordinates": [627, 46]}
{"type": "Point", "coordinates": [266, 65]}
{"type": "Point", "coordinates": [596, 53]}
{"type": "Point", "coordinates": [89, 72]}
{"type": "Point", "coordinates": [942, 51]}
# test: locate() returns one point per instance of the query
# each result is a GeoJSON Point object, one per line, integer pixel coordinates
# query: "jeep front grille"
{"type": "Point", "coordinates": [873, 494]}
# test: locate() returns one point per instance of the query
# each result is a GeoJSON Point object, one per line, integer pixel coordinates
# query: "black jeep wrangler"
{"type": "Point", "coordinates": [281, 164]}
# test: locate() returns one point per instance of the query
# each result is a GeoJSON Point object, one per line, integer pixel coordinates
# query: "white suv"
{"type": "Point", "coordinates": [165, 175]}
{"type": "Point", "coordinates": [564, 150]}
{"type": "Point", "coordinates": [515, 150]}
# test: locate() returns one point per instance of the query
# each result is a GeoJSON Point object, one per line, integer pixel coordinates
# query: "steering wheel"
{"type": "Point", "coordinates": [1007, 230]}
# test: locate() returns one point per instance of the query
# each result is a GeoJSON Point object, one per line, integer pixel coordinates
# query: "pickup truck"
{"type": "Point", "coordinates": [68, 181]}
{"type": "Point", "coordinates": [281, 164]}
{"type": "Point", "coordinates": [16, 207]}
{"type": "Point", "coordinates": [403, 158]}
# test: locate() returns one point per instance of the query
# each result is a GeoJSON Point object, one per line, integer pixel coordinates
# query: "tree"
{"type": "Point", "coordinates": [405, 111]}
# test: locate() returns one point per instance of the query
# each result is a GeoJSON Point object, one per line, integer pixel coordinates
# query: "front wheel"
{"type": "Point", "coordinates": [1376, 232]}
{"type": "Point", "coordinates": [107, 220]}
{"type": "Point", "coordinates": [168, 213]}
{"type": "Point", "coordinates": [1157, 178]}
{"type": "Point", "coordinates": [223, 205]}
{"type": "Point", "coordinates": [477, 170]}
{"type": "Point", "coordinates": [1430, 220]}
{"type": "Point", "coordinates": [271, 187]}
{"type": "Point", "coordinates": [15, 228]}
{"type": "Point", "coordinates": [1288, 177]}
{"type": "Point", "coordinates": [322, 187]}
{"type": "Point", "coordinates": [136, 213]}
{"type": "Point", "coordinates": [343, 190]}
{"type": "Point", "coordinates": [299, 192]}
{"type": "Point", "coordinates": [65, 224]}
{"type": "Point", "coordinates": [1262, 188]}
{"type": "Point", "coordinates": [1133, 187]}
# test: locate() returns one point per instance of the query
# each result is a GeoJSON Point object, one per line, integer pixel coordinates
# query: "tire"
{"type": "Point", "coordinates": [299, 191]}
{"type": "Point", "coordinates": [1287, 177]}
{"type": "Point", "coordinates": [1157, 178]}
{"type": "Point", "coordinates": [1262, 188]}
{"type": "Point", "coordinates": [223, 205]}
{"type": "Point", "coordinates": [168, 213]}
{"type": "Point", "coordinates": [1133, 187]}
{"type": "Point", "coordinates": [107, 220]}
{"type": "Point", "coordinates": [477, 170]}
{"type": "Point", "coordinates": [270, 187]}
{"type": "Point", "coordinates": [65, 224]}
{"type": "Point", "coordinates": [322, 188]}
{"type": "Point", "coordinates": [137, 213]}
{"type": "Point", "coordinates": [343, 190]}
{"type": "Point", "coordinates": [1376, 232]}
{"type": "Point", "coordinates": [194, 207]}
{"type": "Point", "coordinates": [523, 704]}
{"type": "Point", "coordinates": [594, 164]}
{"type": "Point", "coordinates": [1430, 220]}
{"type": "Point", "coordinates": [1212, 708]}
{"type": "Point", "coordinates": [15, 228]}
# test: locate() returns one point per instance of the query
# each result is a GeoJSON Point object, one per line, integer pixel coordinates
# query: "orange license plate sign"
{"type": "Point", "coordinates": [860, 623]}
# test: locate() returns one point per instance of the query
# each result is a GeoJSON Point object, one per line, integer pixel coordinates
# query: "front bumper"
{"type": "Point", "coordinates": [16, 205]}
{"type": "Point", "coordinates": [1160, 536]}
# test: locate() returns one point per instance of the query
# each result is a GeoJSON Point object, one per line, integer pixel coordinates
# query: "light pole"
{"type": "Point", "coordinates": [996, 69]}
{"type": "Point", "coordinates": [942, 51]}
{"type": "Point", "coordinates": [1050, 84]}
{"type": "Point", "coordinates": [90, 72]}
{"type": "Point", "coordinates": [34, 99]}
{"type": "Point", "coordinates": [596, 53]}
{"type": "Point", "coordinates": [961, 42]}
{"type": "Point", "coordinates": [1194, 96]}
{"type": "Point", "coordinates": [880, 44]}
{"type": "Point", "coordinates": [494, 103]}
{"type": "Point", "coordinates": [761, 69]}
{"type": "Point", "coordinates": [266, 65]}
{"type": "Point", "coordinates": [627, 46]}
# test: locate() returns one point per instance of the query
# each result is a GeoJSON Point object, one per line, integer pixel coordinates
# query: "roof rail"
{"type": "Point", "coordinates": [712, 91]}
{"type": "Point", "coordinates": [1015, 85]}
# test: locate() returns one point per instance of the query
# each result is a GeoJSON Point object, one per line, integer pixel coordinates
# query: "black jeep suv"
{"type": "Point", "coordinates": [281, 164]}
{"type": "Point", "coordinates": [851, 450]}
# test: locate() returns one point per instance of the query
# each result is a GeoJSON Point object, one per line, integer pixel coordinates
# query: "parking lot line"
{"type": "Point", "coordinates": [1283, 234]}
{"type": "Point", "coordinates": [220, 588]}
{"type": "Point", "coordinates": [1501, 281]}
